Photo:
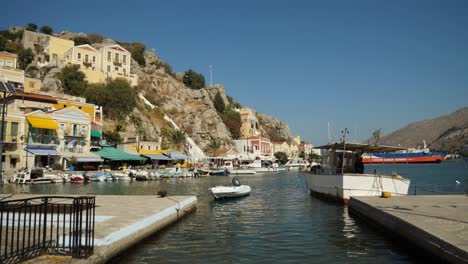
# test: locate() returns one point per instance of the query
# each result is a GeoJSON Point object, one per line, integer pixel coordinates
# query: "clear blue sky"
{"type": "Point", "coordinates": [364, 64]}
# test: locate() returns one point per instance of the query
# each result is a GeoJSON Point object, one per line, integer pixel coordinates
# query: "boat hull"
{"type": "Point", "coordinates": [220, 192]}
{"type": "Point", "coordinates": [403, 158]}
{"type": "Point", "coordinates": [342, 186]}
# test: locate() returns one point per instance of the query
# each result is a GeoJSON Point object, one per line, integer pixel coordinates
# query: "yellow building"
{"type": "Point", "coordinates": [8, 70]}
{"type": "Point", "coordinates": [115, 63]}
{"type": "Point", "coordinates": [8, 59]}
{"type": "Point", "coordinates": [56, 50]}
{"type": "Point", "coordinates": [32, 85]}
{"type": "Point", "coordinates": [297, 139]}
{"type": "Point", "coordinates": [282, 146]}
{"type": "Point", "coordinates": [41, 140]}
{"type": "Point", "coordinates": [89, 109]}
{"type": "Point", "coordinates": [89, 60]}
{"type": "Point", "coordinates": [49, 50]}
{"type": "Point", "coordinates": [249, 126]}
{"type": "Point", "coordinates": [13, 140]}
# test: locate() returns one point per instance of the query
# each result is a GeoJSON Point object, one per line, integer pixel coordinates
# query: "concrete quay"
{"type": "Point", "coordinates": [437, 224]}
{"type": "Point", "coordinates": [121, 221]}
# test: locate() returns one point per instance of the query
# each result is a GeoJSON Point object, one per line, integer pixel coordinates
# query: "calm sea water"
{"type": "Point", "coordinates": [278, 223]}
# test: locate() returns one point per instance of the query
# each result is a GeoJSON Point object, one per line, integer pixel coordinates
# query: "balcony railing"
{"type": "Point", "coordinates": [51, 225]}
{"type": "Point", "coordinates": [43, 139]}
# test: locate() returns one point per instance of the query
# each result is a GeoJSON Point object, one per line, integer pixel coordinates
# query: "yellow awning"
{"type": "Point", "coordinates": [44, 123]}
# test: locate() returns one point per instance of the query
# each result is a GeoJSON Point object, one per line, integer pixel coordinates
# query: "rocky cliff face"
{"type": "Point", "coordinates": [191, 110]}
{"type": "Point", "coordinates": [445, 133]}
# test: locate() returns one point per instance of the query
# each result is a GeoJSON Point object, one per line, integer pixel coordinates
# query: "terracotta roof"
{"type": "Point", "coordinates": [4, 53]}
{"type": "Point", "coordinates": [33, 97]}
{"type": "Point", "coordinates": [86, 47]}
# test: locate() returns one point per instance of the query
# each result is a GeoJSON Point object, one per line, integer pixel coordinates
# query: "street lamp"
{"type": "Point", "coordinates": [7, 90]}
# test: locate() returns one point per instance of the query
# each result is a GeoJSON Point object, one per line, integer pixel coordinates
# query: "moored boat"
{"type": "Point", "coordinates": [236, 190]}
{"type": "Point", "coordinates": [410, 155]}
{"type": "Point", "coordinates": [296, 164]}
{"type": "Point", "coordinates": [31, 176]}
{"type": "Point", "coordinates": [341, 174]}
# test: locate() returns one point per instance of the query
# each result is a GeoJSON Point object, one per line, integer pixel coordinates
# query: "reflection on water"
{"type": "Point", "coordinates": [277, 223]}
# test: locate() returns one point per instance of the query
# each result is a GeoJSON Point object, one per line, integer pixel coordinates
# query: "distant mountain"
{"type": "Point", "coordinates": [445, 133]}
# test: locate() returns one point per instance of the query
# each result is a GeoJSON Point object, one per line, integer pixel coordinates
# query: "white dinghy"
{"type": "Point", "coordinates": [237, 190]}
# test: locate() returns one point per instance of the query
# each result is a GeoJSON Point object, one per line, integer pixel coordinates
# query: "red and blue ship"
{"type": "Point", "coordinates": [409, 156]}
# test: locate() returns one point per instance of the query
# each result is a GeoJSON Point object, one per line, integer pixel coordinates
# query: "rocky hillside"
{"type": "Point", "coordinates": [192, 110]}
{"type": "Point", "coordinates": [445, 133]}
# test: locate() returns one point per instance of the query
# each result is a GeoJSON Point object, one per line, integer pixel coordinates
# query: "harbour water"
{"type": "Point", "coordinates": [279, 222]}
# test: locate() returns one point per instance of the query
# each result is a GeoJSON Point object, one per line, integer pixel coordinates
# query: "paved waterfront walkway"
{"type": "Point", "coordinates": [124, 220]}
{"type": "Point", "coordinates": [436, 223]}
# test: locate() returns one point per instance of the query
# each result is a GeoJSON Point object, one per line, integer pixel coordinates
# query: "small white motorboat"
{"type": "Point", "coordinates": [237, 190]}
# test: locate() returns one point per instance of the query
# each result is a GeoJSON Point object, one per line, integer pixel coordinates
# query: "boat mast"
{"type": "Point", "coordinates": [343, 139]}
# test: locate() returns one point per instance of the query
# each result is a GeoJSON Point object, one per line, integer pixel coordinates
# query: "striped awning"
{"type": "Point", "coordinates": [42, 152]}
{"type": "Point", "coordinates": [156, 157]}
{"type": "Point", "coordinates": [43, 123]}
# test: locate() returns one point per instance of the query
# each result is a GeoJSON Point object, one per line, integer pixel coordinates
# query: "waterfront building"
{"type": "Point", "coordinates": [42, 140]}
{"type": "Point", "coordinates": [49, 50]}
{"type": "Point", "coordinates": [74, 134]}
{"type": "Point", "coordinates": [253, 147]}
{"type": "Point", "coordinates": [13, 140]}
{"type": "Point", "coordinates": [9, 71]}
{"type": "Point", "coordinates": [43, 130]}
{"type": "Point", "coordinates": [281, 146]}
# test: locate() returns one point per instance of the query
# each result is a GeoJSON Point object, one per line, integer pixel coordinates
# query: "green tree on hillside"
{"type": "Point", "coordinates": [47, 30]}
{"type": "Point", "coordinates": [218, 103]}
{"type": "Point", "coordinates": [138, 52]}
{"type": "Point", "coordinates": [281, 156]}
{"type": "Point", "coordinates": [232, 120]}
{"type": "Point", "coordinates": [95, 38]}
{"type": "Point", "coordinates": [25, 57]}
{"type": "Point", "coordinates": [3, 42]}
{"type": "Point", "coordinates": [121, 99]}
{"type": "Point", "coordinates": [194, 80]}
{"type": "Point", "coordinates": [178, 139]}
{"type": "Point", "coordinates": [31, 27]}
{"type": "Point", "coordinates": [96, 93]}
{"type": "Point", "coordinates": [73, 80]}
{"type": "Point", "coordinates": [212, 146]}
{"type": "Point", "coordinates": [80, 40]}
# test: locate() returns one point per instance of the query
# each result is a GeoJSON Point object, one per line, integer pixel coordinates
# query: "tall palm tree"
{"type": "Point", "coordinates": [178, 139]}
{"type": "Point", "coordinates": [213, 146]}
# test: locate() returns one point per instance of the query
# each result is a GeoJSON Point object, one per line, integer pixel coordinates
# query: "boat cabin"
{"type": "Point", "coordinates": [340, 158]}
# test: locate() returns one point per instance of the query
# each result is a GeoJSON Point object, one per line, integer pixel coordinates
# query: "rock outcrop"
{"type": "Point", "coordinates": [445, 133]}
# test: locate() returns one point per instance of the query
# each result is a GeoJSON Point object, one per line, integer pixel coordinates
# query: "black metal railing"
{"type": "Point", "coordinates": [55, 225]}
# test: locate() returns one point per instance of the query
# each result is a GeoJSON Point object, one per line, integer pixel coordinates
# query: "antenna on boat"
{"type": "Point", "coordinates": [329, 134]}
{"type": "Point", "coordinates": [343, 139]}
